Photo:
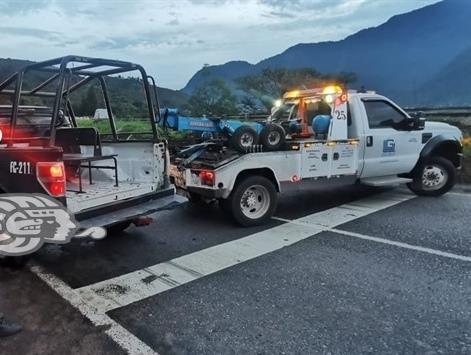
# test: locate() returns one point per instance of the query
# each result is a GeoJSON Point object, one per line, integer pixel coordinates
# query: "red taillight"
{"type": "Point", "coordinates": [207, 177]}
{"type": "Point", "coordinates": [56, 171]}
{"type": "Point", "coordinates": [51, 176]}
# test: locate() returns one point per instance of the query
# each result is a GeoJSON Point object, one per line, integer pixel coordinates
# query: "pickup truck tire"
{"type": "Point", "coordinates": [253, 201]}
{"type": "Point", "coordinates": [433, 177]}
{"type": "Point", "coordinates": [243, 138]}
{"type": "Point", "coordinates": [14, 262]}
{"type": "Point", "coordinates": [273, 137]}
{"type": "Point", "coordinates": [194, 199]}
{"type": "Point", "coordinates": [117, 228]}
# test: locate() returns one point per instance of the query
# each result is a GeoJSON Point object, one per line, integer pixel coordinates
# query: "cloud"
{"type": "Point", "coordinates": [148, 40]}
{"type": "Point", "coordinates": [173, 22]}
{"type": "Point", "coordinates": [19, 7]}
{"type": "Point", "coordinates": [29, 32]}
{"type": "Point", "coordinates": [173, 39]}
{"type": "Point", "coordinates": [279, 14]}
{"type": "Point", "coordinates": [302, 5]}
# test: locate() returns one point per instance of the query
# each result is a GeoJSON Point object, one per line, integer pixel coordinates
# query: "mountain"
{"type": "Point", "coordinates": [396, 58]}
{"type": "Point", "coordinates": [451, 86]}
{"type": "Point", "coordinates": [126, 94]}
{"type": "Point", "coordinates": [229, 72]}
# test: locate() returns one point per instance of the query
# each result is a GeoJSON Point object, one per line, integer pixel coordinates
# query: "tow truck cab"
{"type": "Point", "coordinates": [370, 139]}
{"type": "Point", "coordinates": [105, 179]}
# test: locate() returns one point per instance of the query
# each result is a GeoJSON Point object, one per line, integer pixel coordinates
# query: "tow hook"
{"type": "Point", "coordinates": [142, 221]}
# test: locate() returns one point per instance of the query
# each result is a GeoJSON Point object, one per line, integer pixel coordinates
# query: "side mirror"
{"type": "Point", "coordinates": [416, 121]}
{"type": "Point", "coordinates": [421, 123]}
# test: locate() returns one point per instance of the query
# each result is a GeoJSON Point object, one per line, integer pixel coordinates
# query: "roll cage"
{"type": "Point", "coordinates": [69, 74]}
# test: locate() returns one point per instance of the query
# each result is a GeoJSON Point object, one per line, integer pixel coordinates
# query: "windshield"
{"type": "Point", "coordinates": [32, 121]}
{"type": "Point", "coordinates": [27, 115]}
{"type": "Point", "coordinates": [289, 111]}
{"type": "Point", "coordinates": [284, 112]}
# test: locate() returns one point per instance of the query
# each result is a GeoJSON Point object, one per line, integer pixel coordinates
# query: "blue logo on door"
{"type": "Point", "coordinates": [389, 146]}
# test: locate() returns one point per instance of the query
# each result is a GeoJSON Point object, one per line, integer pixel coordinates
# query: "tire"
{"type": "Point", "coordinates": [243, 138]}
{"type": "Point", "coordinates": [434, 176]}
{"type": "Point", "coordinates": [253, 201]}
{"type": "Point", "coordinates": [273, 137]}
{"type": "Point", "coordinates": [194, 199]}
{"type": "Point", "coordinates": [14, 262]}
{"type": "Point", "coordinates": [117, 228]}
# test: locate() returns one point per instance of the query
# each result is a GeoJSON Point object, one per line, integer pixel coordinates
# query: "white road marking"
{"type": "Point", "coordinates": [402, 245]}
{"type": "Point", "coordinates": [95, 300]}
{"type": "Point", "coordinates": [351, 211]}
{"type": "Point", "coordinates": [462, 194]}
{"type": "Point", "coordinates": [138, 285]}
{"type": "Point", "coordinates": [125, 339]}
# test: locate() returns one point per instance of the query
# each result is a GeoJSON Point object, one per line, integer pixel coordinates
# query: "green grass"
{"type": "Point", "coordinates": [467, 151]}
{"type": "Point", "coordinates": [128, 126]}
{"type": "Point", "coordinates": [102, 126]}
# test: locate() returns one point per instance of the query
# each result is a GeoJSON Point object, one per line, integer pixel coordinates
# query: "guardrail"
{"type": "Point", "coordinates": [442, 111]}
{"type": "Point", "coordinates": [464, 111]}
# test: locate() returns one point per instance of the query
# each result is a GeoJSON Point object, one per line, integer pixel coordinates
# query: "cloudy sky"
{"type": "Point", "coordinates": [173, 39]}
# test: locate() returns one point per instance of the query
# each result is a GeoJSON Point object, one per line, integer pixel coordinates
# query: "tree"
{"type": "Point", "coordinates": [89, 103]}
{"type": "Point", "coordinates": [212, 98]}
{"type": "Point", "coordinates": [248, 104]}
{"type": "Point", "coordinates": [270, 84]}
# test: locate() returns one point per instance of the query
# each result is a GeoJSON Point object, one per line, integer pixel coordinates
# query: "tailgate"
{"type": "Point", "coordinates": [18, 167]}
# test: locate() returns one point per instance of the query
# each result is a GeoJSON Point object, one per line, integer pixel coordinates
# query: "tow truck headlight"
{"type": "Point", "coordinates": [278, 103]}
{"type": "Point", "coordinates": [207, 177]}
{"type": "Point", "coordinates": [51, 176]}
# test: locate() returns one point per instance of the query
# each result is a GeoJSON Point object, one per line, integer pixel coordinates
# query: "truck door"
{"type": "Point", "coordinates": [389, 146]}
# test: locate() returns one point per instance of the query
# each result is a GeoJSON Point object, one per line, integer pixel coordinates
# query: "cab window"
{"type": "Point", "coordinates": [382, 114]}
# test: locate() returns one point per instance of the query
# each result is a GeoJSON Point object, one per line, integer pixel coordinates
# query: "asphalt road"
{"type": "Point", "coordinates": [340, 270]}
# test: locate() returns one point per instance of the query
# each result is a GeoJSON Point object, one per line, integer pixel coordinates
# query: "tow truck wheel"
{"type": "Point", "coordinates": [253, 201]}
{"type": "Point", "coordinates": [243, 138]}
{"type": "Point", "coordinates": [434, 177]}
{"type": "Point", "coordinates": [273, 137]}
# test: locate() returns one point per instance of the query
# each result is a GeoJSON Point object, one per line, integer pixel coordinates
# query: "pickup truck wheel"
{"type": "Point", "coordinates": [194, 199]}
{"type": "Point", "coordinates": [14, 262]}
{"type": "Point", "coordinates": [434, 177]}
{"type": "Point", "coordinates": [117, 228]}
{"type": "Point", "coordinates": [273, 137]}
{"type": "Point", "coordinates": [253, 201]}
{"type": "Point", "coordinates": [243, 138]}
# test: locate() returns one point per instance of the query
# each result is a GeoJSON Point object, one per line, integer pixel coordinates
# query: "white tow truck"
{"type": "Point", "coordinates": [367, 139]}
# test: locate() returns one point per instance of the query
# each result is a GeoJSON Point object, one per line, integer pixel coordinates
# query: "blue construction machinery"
{"type": "Point", "coordinates": [300, 114]}
{"type": "Point", "coordinates": [172, 119]}
{"type": "Point", "coordinates": [240, 135]}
